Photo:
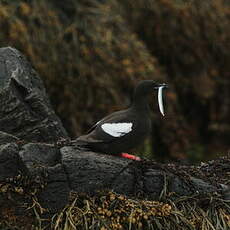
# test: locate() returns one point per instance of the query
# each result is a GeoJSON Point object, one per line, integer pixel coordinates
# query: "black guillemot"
{"type": "Point", "coordinates": [125, 129]}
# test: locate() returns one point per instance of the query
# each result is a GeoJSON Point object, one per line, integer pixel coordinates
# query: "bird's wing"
{"type": "Point", "coordinates": [112, 127]}
{"type": "Point", "coordinates": [107, 118]}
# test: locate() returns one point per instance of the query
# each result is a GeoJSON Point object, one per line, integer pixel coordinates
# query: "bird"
{"type": "Point", "coordinates": [123, 130]}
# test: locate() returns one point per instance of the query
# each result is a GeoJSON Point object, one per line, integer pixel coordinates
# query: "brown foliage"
{"type": "Point", "coordinates": [192, 43]}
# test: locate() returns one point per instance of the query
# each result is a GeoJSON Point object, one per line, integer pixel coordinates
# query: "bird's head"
{"type": "Point", "coordinates": [145, 88]}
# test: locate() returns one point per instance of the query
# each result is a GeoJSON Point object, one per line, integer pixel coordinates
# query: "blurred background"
{"type": "Point", "coordinates": [92, 53]}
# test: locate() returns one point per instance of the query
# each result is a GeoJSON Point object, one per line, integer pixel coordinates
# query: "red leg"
{"type": "Point", "coordinates": [129, 156]}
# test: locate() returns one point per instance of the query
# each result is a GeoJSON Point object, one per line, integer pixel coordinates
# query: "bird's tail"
{"type": "Point", "coordinates": [80, 145]}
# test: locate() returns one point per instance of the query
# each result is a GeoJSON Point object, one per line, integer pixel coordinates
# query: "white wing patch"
{"type": "Point", "coordinates": [117, 129]}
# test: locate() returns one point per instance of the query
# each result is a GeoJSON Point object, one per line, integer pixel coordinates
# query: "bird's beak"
{"type": "Point", "coordinates": [164, 85]}
{"type": "Point", "coordinates": [160, 88]}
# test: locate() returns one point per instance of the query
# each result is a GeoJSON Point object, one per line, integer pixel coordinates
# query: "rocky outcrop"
{"type": "Point", "coordinates": [25, 110]}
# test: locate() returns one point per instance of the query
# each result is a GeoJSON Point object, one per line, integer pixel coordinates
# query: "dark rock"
{"type": "Point", "coordinates": [7, 138]}
{"type": "Point", "coordinates": [11, 164]}
{"type": "Point", "coordinates": [201, 186]}
{"type": "Point", "coordinates": [25, 110]}
{"type": "Point", "coordinates": [225, 189]}
{"type": "Point", "coordinates": [38, 154]}
{"type": "Point", "coordinates": [55, 194]}
{"type": "Point", "coordinates": [154, 179]}
{"type": "Point", "coordinates": [89, 171]}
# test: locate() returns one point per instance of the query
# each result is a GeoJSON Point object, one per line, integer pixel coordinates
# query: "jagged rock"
{"type": "Point", "coordinates": [25, 110]}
